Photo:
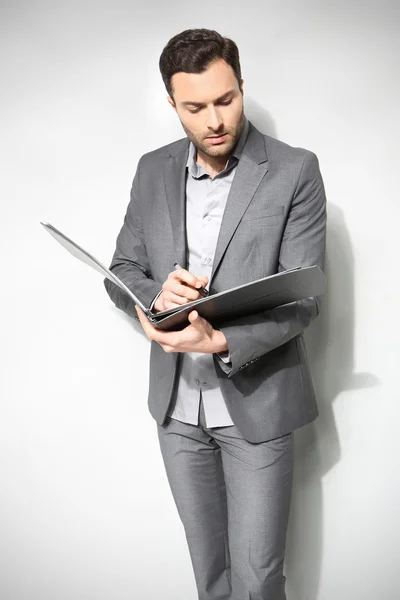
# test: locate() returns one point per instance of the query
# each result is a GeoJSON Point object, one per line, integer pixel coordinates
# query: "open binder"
{"type": "Point", "coordinates": [262, 294]}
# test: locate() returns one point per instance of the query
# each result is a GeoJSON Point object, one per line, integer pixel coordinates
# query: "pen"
{"type": "Point", "coordinates": [202, 291]}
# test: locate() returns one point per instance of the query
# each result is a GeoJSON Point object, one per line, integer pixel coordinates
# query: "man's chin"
{"type": "Point", "coordinates": [217, 150]}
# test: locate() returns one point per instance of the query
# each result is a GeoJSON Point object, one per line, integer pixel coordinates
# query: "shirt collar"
{"type": "Point", "coordinates": [197, 171]}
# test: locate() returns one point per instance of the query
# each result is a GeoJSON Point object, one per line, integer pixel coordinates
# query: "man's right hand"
{"type": "Point", "coordinates": [180, 287]}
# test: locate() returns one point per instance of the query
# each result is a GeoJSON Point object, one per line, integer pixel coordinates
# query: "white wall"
{"type": "Point", "coordinates": [85, 508]}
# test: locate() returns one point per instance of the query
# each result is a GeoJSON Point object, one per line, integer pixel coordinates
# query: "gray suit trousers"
{"type": "Point", "coordinates": [233, 498]}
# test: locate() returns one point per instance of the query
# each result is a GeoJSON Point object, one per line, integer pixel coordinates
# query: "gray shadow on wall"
{"type": "Point", "coordinates": [260, 117]}
{"type": "Point", "coordinates": [330, 345]}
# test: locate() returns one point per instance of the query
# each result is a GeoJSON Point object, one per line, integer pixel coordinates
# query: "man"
{"type": "Point", "coordinates": [229, 205]}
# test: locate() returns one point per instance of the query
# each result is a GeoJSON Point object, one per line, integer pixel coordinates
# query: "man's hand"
{"type": "Point", "coordinates": [180, 287]}
{"type": "Point", "coordinates": [199, 336]}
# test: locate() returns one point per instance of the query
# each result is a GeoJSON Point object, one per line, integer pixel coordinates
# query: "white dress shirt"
{"type": "Point", "coordinates": [205, 204]}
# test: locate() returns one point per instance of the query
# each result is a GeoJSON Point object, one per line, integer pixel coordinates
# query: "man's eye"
{"type": "Point", "coordinates": [226, 102]}
{"type": "Point", "coordinates": [194, 110]}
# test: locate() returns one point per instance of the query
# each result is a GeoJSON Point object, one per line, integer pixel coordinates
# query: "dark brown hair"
{"type": "Point", "coordinates": [193, 50]}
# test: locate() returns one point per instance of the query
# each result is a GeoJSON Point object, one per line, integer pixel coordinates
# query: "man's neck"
{"type": "Point", "coordinates": [213, 165]}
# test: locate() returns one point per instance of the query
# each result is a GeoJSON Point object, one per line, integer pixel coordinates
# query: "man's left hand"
{"type": "Point", "coordinates": [199, 336]}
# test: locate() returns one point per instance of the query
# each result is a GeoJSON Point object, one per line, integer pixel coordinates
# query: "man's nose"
{"type": "Point", "coordinates": [214, 120]}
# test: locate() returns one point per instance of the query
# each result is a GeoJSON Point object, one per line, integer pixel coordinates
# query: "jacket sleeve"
{"type": "Point", "coordinates": [303, 244]}
{"type": "Point", "coordinates": [130, 262]}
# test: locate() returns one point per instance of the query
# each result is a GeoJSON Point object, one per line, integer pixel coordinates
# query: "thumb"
{"type": "Point", "coordinates": [193, 317]}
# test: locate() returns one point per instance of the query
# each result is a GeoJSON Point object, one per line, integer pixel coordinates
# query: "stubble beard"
{"type": "Point", "coordinates": [224, 149]}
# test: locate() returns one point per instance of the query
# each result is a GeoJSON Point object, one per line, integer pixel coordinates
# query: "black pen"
{"type": "Point", "coordinates": [202, 291]}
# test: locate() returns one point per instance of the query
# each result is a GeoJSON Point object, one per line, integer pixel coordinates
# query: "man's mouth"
{"type": "Point", "coordinates": [216, 139]}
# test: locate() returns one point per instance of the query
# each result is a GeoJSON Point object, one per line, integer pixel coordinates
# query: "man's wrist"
{"type": "Point", "coordinates": [219, 342]}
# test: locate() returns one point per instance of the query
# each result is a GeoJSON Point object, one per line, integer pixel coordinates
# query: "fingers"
{"type": "Point", "coordinates": [172, 300]}
{"type": "Point", "coordinates": [186, 277]}
{"type": "Point", "coordinates": [203, 279]}
{"type": "Point", "coordinates": [180, 288]}
{"type": "Point", "coordinates": [149, 329]}
{"type": "Point", "coordinates": [144, 322]}
{"type": "Point", "coordinates": [196, 337]}
{"type": "Point", "coordinates": [163, 338]}
{"type": "Point", "coordinates": [176, 290]}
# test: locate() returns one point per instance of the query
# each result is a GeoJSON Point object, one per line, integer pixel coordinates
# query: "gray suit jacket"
{"type": "Point", "coordinates": [275, 219]}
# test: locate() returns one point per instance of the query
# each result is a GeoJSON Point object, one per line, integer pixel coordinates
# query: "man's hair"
{"type": "Point", "coordinates": [193, 50]}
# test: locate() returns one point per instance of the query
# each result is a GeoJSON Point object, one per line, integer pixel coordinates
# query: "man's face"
{"type": "Point", "coordinates": [210, 108]}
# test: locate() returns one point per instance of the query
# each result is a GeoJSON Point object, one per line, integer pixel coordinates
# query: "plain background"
{"type": "Point", "coordinates": [85, 508]}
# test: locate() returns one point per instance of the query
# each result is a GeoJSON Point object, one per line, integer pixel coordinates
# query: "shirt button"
{"type": "Point", "coordinates": [204, 382]}
{"type": "Point", "coordinates": [197, 382]}
{"type": "Point", "coordinates": [208, 260]}
{"type": "Point", "coordinates": [209, 218]}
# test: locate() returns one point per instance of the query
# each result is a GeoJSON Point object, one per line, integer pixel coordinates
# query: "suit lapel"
{"type": "Point", "coordinates": [252, 167]}
{"type": "Point", "coordinates": [175, 187]}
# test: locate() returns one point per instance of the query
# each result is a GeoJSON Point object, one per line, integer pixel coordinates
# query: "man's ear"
{"type": "Point", "coordinates": [172, 103]}
{"type": "Point", "coordinates": [241, 86]}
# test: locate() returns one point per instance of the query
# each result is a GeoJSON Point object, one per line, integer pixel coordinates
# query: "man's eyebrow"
{"type": "Point", "coordinates": [219, 99]}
